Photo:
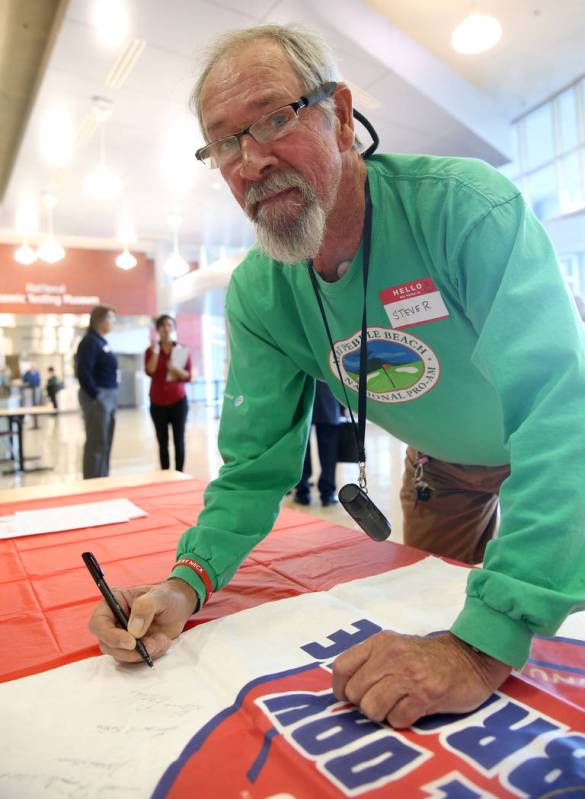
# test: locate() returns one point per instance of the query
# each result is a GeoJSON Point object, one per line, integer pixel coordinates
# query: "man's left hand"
{"type": "Point", "coordinates": [401, 678]}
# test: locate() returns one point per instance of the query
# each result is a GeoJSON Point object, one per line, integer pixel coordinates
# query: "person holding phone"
{"type": "Point", "coordinates": [169, 366]}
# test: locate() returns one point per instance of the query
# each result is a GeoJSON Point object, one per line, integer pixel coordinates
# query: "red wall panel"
{"type": "Point", "coordinates": [72, 284]}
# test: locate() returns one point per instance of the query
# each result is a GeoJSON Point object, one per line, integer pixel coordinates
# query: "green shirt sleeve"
{"type": "Point", "coordinates": [263, 435]}
{"type": "Point", "coordinates": [531, 347]}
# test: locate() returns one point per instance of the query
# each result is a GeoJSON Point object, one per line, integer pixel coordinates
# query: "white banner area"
{"type": "Point", "coordinates": [241, 707]}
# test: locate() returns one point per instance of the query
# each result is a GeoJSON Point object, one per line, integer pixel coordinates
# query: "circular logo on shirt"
{"type": "Point", "coordinates": [400, 367]}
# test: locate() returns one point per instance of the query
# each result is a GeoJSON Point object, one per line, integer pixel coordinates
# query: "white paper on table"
{"type": "Point", "coordinates": [69, 517]}
{"type": "Point", "coordinates": [6, 526]}
{"type": "Point", "coordinates": [179, 357]}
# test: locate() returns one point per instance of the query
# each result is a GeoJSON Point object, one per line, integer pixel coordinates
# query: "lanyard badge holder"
{"type": "Point", "coordinates": [354, 496]}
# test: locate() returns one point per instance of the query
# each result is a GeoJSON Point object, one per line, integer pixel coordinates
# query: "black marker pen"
{"type": "Point", "coordinates": [98, 576]}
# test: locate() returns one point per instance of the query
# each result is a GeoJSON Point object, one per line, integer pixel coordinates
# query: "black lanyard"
{"type": "Point", "coordinates": [359, 430]}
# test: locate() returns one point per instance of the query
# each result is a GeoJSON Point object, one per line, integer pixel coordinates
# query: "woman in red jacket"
{"type": "Point", "coordinates": [169, 366]}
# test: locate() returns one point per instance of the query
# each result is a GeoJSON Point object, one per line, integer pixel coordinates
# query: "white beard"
{"type": "Point", "coordinates": [280, 235]}
{"type": "Point", "coordinates": [297, 240]}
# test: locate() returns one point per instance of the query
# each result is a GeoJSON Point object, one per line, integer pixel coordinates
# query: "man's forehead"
{"type": "Point", "coordinates": [259, 75]}
{"type": "Point", "coordinates": [258, 54]}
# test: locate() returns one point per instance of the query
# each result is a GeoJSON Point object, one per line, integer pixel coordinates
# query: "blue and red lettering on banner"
{"type": "Point", "coordinates": [287, 734]}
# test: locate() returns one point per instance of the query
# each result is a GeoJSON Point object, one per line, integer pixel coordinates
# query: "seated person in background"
{"type": "Point", "coordinates": [168, 399]}
{"type": "Point", "coordinates": [326, 422]}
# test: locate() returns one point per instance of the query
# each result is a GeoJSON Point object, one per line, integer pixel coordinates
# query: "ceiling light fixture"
{"type": "Point", "coordinates": [175, 265]}
{"type": "Point", "coordinates": [57, 137]}
{"type": "Point", "coordinates": [126, 233]}
{"type": "Point", "coordinates": [118, 75]}
{"type": "Point", "coordinates": [27, 215]}
{"type": "Point", "coordinates": [476, 34]}
{"type": "Point", "coordinates": [111, 21]}
{"type": "Point", "coordinates": [126, 260]}
{"type": "Point", "coordinates": [102, 182]}
{"type": "Point", "coordinates": [87, 128]}
{"type": "Point", "coordinates": [50, 251]}
{"type": "Point", "coordinates": [177, 163]}
{"type": "Point", "coordinates": [25, 254]}
{"type": "Point", "coordinates": [126, 236]}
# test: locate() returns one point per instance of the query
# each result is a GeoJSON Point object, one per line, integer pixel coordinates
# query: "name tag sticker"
{"type": "Point", "coordinates": [413, 303]}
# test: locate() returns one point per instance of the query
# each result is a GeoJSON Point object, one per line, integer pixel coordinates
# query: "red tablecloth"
{"type": "Point", "coordinates": [46, 594]}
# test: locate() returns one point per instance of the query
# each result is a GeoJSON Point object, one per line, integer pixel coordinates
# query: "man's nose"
{"type": "Point", "coordinates": [257, 159]}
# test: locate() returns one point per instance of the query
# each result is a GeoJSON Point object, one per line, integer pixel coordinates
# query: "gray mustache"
{"type": "Point", "coordinates": [277, 182]}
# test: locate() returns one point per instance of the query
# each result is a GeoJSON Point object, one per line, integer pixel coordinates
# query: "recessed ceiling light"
{"type": "Point", "coordinates": [476, 34]}
{"type": "Point", "coordinates": [111, 21]}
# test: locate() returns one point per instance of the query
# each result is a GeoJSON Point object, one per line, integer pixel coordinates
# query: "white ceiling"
{"type": "Point", "coordinates": [542, 48]}
{"type": "Point", "coordinates": [427, 104]}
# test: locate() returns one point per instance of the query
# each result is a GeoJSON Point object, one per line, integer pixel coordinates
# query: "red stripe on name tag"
{"type": "Point", "coordinates": [406, 290]}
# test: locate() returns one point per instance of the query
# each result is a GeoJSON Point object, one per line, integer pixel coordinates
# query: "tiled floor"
{"type": "Point", "coordinates": [59, 441]}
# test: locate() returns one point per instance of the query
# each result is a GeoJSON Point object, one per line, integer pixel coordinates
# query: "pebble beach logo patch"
{"type": "Point", "coordinates": [400, 367]}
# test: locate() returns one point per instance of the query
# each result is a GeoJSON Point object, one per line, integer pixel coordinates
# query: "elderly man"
{"type": "Point", "coordinates": [475, 359]}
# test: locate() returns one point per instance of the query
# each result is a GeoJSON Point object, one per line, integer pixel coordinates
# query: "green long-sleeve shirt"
{"type": "Point", "coordinates": [495, 376]}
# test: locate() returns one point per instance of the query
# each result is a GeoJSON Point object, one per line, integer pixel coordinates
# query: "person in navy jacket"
{"type": "Point", "coordinates": [97, 368]}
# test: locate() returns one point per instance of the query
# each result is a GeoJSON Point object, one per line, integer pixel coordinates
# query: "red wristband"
{"type": "Point", "coordinates": [200, 572]}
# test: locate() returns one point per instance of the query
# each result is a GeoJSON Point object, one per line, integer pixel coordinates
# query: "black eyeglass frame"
{"type": "Point", "coordinates": [313, 98]}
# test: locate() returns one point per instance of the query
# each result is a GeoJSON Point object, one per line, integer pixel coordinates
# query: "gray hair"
{"type": "Point", "coordinates": [310, 56]}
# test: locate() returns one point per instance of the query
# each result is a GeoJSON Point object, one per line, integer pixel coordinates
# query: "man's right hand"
{"type": "Point", "coordinates": [157, 614]}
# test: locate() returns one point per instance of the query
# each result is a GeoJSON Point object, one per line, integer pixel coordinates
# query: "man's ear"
{"type": "Point", "coordinates": [344, 115]}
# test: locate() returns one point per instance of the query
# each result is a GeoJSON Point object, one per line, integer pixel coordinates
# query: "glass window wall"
{"type": "Point", "coordinates": [549, 154]}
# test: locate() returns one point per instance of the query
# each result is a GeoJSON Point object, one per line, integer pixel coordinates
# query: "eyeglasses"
{"type": "Point", "coordinates": [271, 126]}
